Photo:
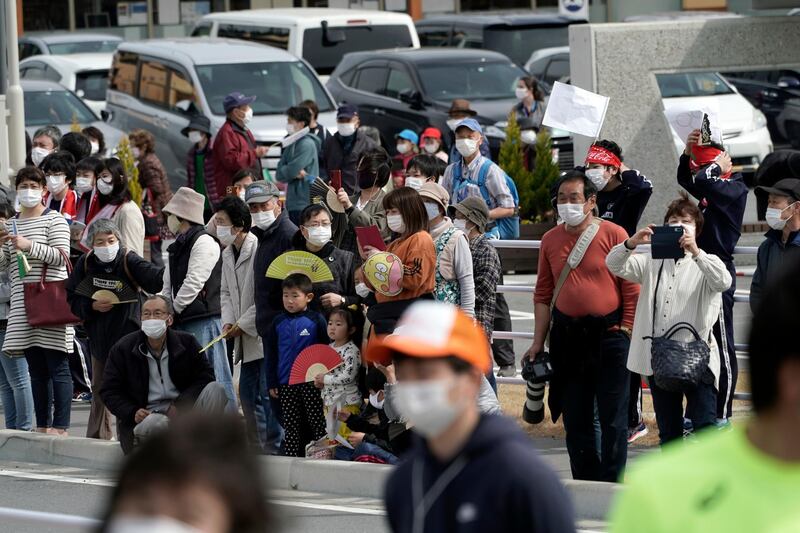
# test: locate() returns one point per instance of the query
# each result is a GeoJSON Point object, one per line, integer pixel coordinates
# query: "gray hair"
{"type": "Point", "coordinates": [103, 225]}
{"type": "Point", "coordinates": [50, 131]}
{"type": "Point", "coordinates": [161, 297]}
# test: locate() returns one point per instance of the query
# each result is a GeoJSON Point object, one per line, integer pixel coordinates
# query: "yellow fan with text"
{"type": "Point", "coordinates": [299, 262]}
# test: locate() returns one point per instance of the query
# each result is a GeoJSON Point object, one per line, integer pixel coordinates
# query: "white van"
{"type": "Point", "coordinates": [321, 36]}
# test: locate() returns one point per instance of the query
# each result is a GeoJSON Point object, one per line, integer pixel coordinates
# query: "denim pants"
{"type": "Point", "coordinates": [701, 406]}
{"type": "Point", "coordinates": [15, 391]}
{"type": "Point", "coordinates": [49, 371]}
{"type": "Point", "coordinates": [204, 331]}
{"type": "Point", "coordinates": [342, 453]}
{"type": "Point", "coordinates": [262, 424]}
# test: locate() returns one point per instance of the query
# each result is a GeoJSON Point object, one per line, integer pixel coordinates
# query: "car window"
{"type": "Point", "coordinates": [691, 84]}
{"type": "Point", "coordinates": [203, 29]}
{"type": "Point", "coordinates": [277, 37]}
{"type": "Point", "coordinates": [467, 39]}
{"type": "Point", "coordinates": [347, 77]}
{"type": "Point", "coordinates": [33, 71]}
{"type": "Point", "coordinates": [399, 80]}
{"type": "Point", "coordinates": [324, 55]}
{"type": "Point", "coordinates": [86, 47]}
{"type": "Point", "coordinates": [372, 79]}
{"type": "Point", "coordinates": [434, 35]}
{"type": "Point", "coordinates": [153, 82]}
{"type": "Point", "coordinates": [180, 88]}
{"type": "Point", "coordinates": [518, 43]}
{"type": "Point", "coordinates": [478, 81]}
{"type": "Point", "coordinates": [55, 107]}
{"type": "Point", "coordinates": [28, 50]}
{"type": "Point", "coordinates": [557, 69]}
{"type": "Point", "coordinates": [93, 83]}
{"type": "Point", "coordinates": [123, 73]}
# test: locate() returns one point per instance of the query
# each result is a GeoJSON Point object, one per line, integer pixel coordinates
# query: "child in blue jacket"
{"type": "Point", "coordinates": [291, 332]}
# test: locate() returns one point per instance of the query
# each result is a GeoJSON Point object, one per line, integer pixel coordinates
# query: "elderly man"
{"type": "Point", "coordinates": [235, 147]}
{"type": "Point", "coordinates": [344, 150]}
{"type": "Point", "coordinates": [46, 140]}
{"type": "Point", "coordinates": [154, 374]}
{"type": "Point", "coordinates": [460, 109]}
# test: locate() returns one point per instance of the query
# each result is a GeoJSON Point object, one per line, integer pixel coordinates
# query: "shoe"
{"type": "Point", "coordinates": [82, 397]}
{"type": "Point", "coordinates": [688, 427]}
{"type": "Point", "coordinates": [507, 371]}
{"type": "Point", "coordinates": [637, 432]}
{"type": "Point", "coordinates": [723, 424]}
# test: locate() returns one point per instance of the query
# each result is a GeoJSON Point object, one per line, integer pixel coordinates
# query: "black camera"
{"type": "Point", "coordinates": [536, 373]}
{"type": "Point", "coordinates": [540, 370]}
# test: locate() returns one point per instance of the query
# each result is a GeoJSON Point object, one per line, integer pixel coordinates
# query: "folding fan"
{"type": "Point", "coordinates": [299, 262]}
{"type": "Point", "coordinates": [106, 288]}
{"type": "Point", "coordinates": [316, 359]}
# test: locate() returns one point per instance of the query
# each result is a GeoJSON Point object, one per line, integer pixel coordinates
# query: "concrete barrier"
{"type": "Point", "coordinates": [64, 451]}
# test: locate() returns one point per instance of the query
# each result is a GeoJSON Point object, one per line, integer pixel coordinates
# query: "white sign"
{"type": "Point", "coordinates": [575, 110]}
{"type": "Point", "coordinates": [685, 117]}
{"type": "Point", "coordinates": [574, 8]}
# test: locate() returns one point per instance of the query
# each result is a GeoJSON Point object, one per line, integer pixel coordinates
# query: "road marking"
{"type": "Point", "coordinates": [327, 507]}
{"type": "Point", "coordinates": [56, 477]}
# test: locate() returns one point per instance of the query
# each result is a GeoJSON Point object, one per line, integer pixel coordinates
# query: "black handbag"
{"type": "Point", "coordinates": [678, 366]}
{"type": "Point", "coordinates": [152, 229]}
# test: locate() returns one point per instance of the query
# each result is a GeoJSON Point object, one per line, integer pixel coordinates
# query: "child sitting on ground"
{"type": "Point", "coordinates": [291, 332]}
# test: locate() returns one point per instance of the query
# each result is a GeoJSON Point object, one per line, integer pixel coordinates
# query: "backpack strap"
{"type": "Point", "coordinates": [127, 270]}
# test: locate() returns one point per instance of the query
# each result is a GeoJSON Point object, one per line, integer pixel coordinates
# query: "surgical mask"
{"type": "Point", "coordinates": [395, 223]}
{"type": "Point", "coordinates": [195, 137]}
{"type": "Point", "coordinates": [375, 402]}
{"type": "Point", "coordinates": [452, 123]}
{"type": "Point", "coordinates": [83, 185]}
{"type": "Point", "coordinates": [263, 219]}
{"type": "Point", "coordinates": [432, 210]}
{"type": "Point", "coordinates": [466, 147]}
{"type": "Point", "coordinates": [431, 147]}
{"type": "Point", "coordinates": [461, 223]}
{"type": "Point", "coordinates": [225, 236]}
{"type": "Point", "coordinates": [105, 187]}
{"type": "Point", "coordinates": [774, 219]}
{"type": "Point", "coordinates": [290, 128]}
{"type": "Point", "coordinates": [56, 184]}
{"type": "Point", "coordinates": [402, 148]}
{"type": "Point", "coordinates": [572, 214]}
{"type": "Point", "coordinates": [149, 524]}
{"type": "Point", "coordinates": [362, 290]}
{"type": "Point", "coordinates": [597, 177]}
{"type": "Point", "coordinates": [174, 224]}
{"type": "Point", "coordinates": [520, 93]}
{"type": "Point", "coordinates": [38, 154]}
{"type": "Point", "coordinates": [135, 152]}
{"type": "Point", "coordinates": [29, 197]}
{"type": "Point", "coordinates": [415, 183]}
{"type": "Point", "coordinates": [248, 116]}
{"type": "Point", "coordinates": [106, 254]}
{"type": "Point", "coordinates": [345, 129]}
{"type": "Point", "coordinates": [528, 136]}
{"type": "Point", "coordinates": [426, 405]}
{"type": "Point", "coordinates": [95, 147]}
{"type": "Point", "coordinates": [319, 235]}
{"type": "Point", "coordinates": [154, 328]}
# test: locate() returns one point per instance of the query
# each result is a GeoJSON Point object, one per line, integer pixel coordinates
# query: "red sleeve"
{"type": "Point", "coordinates": [545, 284]}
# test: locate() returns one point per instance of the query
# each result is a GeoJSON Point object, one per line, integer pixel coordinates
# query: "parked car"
{"type": "Point", "coordinates": [549, 64]}
{"type": "Point", "coordinates": [46, 102]}
{"type": "Point", "coordinates": [67, 43]}
{"type": "Point", "coordinates": [788, 122]}
{"type": "Point", "coordinates": [744, 128]}
{"type": "Point", "coordinates": [412, 89]}
{"type": "Point", "coordinates": [159, 84]}
{"type": "Point", "coordinates": [321, 36]}
{"type": "Point", "coordinates": [85, 74]}
{"type": "Point", "coordinates": [515, 36]}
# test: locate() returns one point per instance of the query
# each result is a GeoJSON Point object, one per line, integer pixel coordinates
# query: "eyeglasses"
{"type": "Point", "coordinates": [158, 315]}
{"type": "Point", "coordinates": [318, 225]}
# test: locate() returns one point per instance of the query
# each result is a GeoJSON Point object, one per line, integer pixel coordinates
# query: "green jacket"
{"type": "Point", "coordinates": [302, 155]}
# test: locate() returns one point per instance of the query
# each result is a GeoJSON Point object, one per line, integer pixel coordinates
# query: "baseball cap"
{"type": "Point", "coordinates": [786, 187]}
{"type": "Point", "coordinates": [346, 111]}
{"type": "Point", "coordinates": [431, 133]}
{"type": "Point", "coordinates": [236, 99]}
{"type": "Point", "coordinates": [433, 191]}
{"type": "Point", "coordinates": [260, 191]}
{"type": "Point", "coordinates": [408, 135]}
{"type": "Point", "coordinates": [470, 123]}
{"type": "Point", "coordinates": [429, 330]}
{"type": "Point", "coordinates": [475, 210]}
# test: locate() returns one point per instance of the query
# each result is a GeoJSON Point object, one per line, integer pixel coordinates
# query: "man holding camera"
{"type": "Point", "coordinates": [591, 312]}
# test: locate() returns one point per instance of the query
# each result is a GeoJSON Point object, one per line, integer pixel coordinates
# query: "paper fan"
{"type": "Point", "coordinates": [105, 294]}
{"type": "Point", "coordinates": [322, 192]}
{"type": "Point", "coordinates": [316, 359]}
{"type": "Point", "coordinates": [333, 203]}
{"type": "Point", "coordinates": [106, 288]}
{"type": "Point", "coordinates": [299, 262]}
{"type": "Point", "coordinates": [384, 271]}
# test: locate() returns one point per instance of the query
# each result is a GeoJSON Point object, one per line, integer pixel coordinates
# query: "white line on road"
{"type": "Point", "coordinates": [327, 507]}
{"type": "Point", "coordinates": [56, 477]}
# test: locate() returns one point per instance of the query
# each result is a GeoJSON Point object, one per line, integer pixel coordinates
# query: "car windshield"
{"type": "Point", "coordinates": [55, 107]}
{"type": "Point", "coordinates": [324, 54]}
{"type": "Point", "coordinates": [85, 47]}
{"type": "Point", "coordinates": [692, 84]}
{"type": "Point", "coordinates": [93, 83]}
{"type": "Point", "coordinates": [473, 81]}
{"type": "Point", "coordinates": [277, 86]}
{"type": "Point", "coordinates": [519, 43]}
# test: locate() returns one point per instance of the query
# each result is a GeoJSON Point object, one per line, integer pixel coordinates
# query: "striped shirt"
{"type": "Point", "coordinates": [48, 234]}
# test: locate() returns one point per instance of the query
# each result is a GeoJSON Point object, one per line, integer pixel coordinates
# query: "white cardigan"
{"type": "Point", "coordinates": [237, 295]}
{"type": "Point", "coordinates": [690, 291]}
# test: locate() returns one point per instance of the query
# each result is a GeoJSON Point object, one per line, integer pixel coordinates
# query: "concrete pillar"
{"type": "Point", "coordinates": [71, 14]}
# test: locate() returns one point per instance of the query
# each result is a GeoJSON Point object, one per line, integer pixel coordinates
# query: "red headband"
{"type": "Point", "coordinates": [702, 156]}
{"type": "Point", "coordinates": [601, 156]}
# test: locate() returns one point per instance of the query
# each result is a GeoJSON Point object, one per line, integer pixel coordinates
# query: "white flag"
{"type": "Point", "coordinates": [575, 110]}
{"type": "Point", "coordinates": [685, 117]}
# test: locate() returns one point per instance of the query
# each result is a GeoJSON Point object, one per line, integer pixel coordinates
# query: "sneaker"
{"type": "Point", "coordinates": [637, 432]}
{"type": "Point", "coordinates": [507, 371]}
{"type": "Point", "coordinates": [82, 397]}
{"type": "Point", "coordinates": [688, 427]}
{"type": "Point", "coordinates": [723, 424]}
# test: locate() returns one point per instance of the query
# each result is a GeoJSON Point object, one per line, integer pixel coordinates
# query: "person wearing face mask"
{"type": "Point", "coordinates": [192, 281]}
{"type": "Point", "coordinates": [86, 172]}
{"type": "Point", "coordinates": [460, 110]}
{"type": "Point", "coordinates": [431, 143]}
{"type": "Point", "coordinates": [406, 150]}
{"type": "Point", "coordinates": [45, 141]}
{"type": "Point", "coordinates": [705, 172]}
{"type": "Point", "coordinates": [530, 100]}
{"type": "Point", "coordinates": [97, 141]}
{"type": "Point", "coordinates": [422, 168]}
{"type": "Point", "coordinates": [235, 146]}
{"type": "Point", "coordinates": [200, 172]}
{"type": "Point", "coordinates": [59, 171]}
{"type": "Point", "coordinates": [454, 279]}
{"type": "Point", "coordinates": [237, 296]}
{"type": "Point", "coordinates": [299, 163]}
{"type": "Point", "coordinates": [588, 313]}
{"type": "Point", "coordinates": [315, 127]}
{"type": "Point", "coordinates": [782, 241]}
{"type": "Point", "coordinates": [345, 149]}
{"type": "Point", "coordinates": [443, 483]}
{"type": "Point", "coordinates": [155, 374]}
{"type": "Point", "coordinates": [77, 144]}
{"type": "Point", "coordinates": [528, 134]}
{"type": "Point", "coordinates": [120, 273]}
{"type": "Point", "coordinates": [687, 290]}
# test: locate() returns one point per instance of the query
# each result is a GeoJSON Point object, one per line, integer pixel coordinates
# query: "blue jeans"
{"type": "Point", "coordinates": [701, 404]}
{"type": "Point", "coordinates": [50, 379]}
{"type": "Point", "coordinates": [261, 423]}
{"type": "Point", "coordinates": [342, 453]}
{"type": "Point", "coordinates": [205, 330]}
{"type": "Point", "coordinates": [15, 391]}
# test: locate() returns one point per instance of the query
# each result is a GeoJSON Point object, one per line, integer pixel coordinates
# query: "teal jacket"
{"type": "Point", "coordinates": [302, 155]}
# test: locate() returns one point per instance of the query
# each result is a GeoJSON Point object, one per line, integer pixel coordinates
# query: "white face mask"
{"type": "Point", "coordinates": [318, 236]}
{"type": "Point", "coordinates": [415, 183]}
{"type": "Point", "coordinates": [461, 223]}
{"type": "Point", "coordinates": [466, 147]}
{"type": "Point", "coordinates": [345, 129]}
{"type": "Point", "coordinates": [395, 223]}
{"type": "Point", "coordinates": [38, 154]}
{"type": "Point", "coordinates": [402, 148]}
{"type": "Point", "coordinates": [195, 137]}
{"type": "Point", "coordinates": [528, 136]}
{"type": "Point", "coordinates": [521, 93]}
{"type": "Point", "coordinates": [174, 224]}
{"type": "Point", "coordinates": [83, 185]}
{"type": "Point", "coordinates": [248, 116]}
{"type": "Point", "coordinates": [597, 177]}
{"type": "Point", "coordinates": [29, 197]}
{"type": "Point", "coordinates": [95, 147]}
{"type": "Point", "coordinates": [426, 405]}
{"type": "Point", "coordinates": [431, 147]}
{"type": "Point", "coordinates": [362, 290]}
{"type": "Point", "coordinates": [290, 128]}
{"type": "Point", "coordinates": [154, 328]}
{"type": "Point", "coordinates": [263, 219]}
{"type": "Point", "coordinates": [432, 210]}
{"type": "Point", "coordinates": [774, 219]}
{"type": "Point", "coordinates": [149, 524]}
{"type": "Point", "coordinates": [452, 123]}
{"type": "Point", "coordinates": [225, 236]}
{"type": "Point", "coordinates": [105, 187]}
{"type": "Point", "coordinates": [375, 402]}
{"type": "Point", "coordinates": [106, 254]}
{"type": "Point", "coordinates": [572, 214]}
{"type": "Point", "coordinates": [56, 184]}
{"type": "Point", "coordinates": [135, 152]}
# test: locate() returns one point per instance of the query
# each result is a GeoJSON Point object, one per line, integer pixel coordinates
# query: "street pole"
{"type": "Point", "coordinates": [150, 32]}
{"type": "Point", "coordinates": [71, 14]}
{"type": "Point", "coordinates": [14, 98]}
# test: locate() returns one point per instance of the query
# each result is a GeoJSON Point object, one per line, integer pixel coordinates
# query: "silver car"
{"type": "Point", "coordinates": [158, 84]}
{"type": "Point", "coordinates": [66, 43]}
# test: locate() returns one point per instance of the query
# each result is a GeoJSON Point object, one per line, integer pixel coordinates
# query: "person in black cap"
{"type": "Point", "coordinates": [235, 147]}
{"type": "Point", "coordinates": [782, 243]}
{"type": "Point", "coordinates": [344, 150]}
{"type": "Point", "coordinates": [200, 164]}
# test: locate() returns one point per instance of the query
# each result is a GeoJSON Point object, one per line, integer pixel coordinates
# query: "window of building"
{"type": "Point", "coordinates": [123, 73]}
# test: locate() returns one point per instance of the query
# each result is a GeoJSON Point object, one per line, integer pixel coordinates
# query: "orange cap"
{"type": "Point", "coordinates": [432, 329]}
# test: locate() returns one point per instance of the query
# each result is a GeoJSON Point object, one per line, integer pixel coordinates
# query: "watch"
{"type": "Point", "coordinates": [344, 300]}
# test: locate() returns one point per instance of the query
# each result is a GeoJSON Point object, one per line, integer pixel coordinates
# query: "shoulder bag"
{"type": "Point", "coordinates": [46, 301]}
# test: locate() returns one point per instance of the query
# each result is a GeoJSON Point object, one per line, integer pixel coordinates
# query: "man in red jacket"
{"type": "Point", "coordinates": [235, 147]}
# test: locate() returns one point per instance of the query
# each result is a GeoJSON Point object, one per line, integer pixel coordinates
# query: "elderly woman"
{"type": "Point", "coordinates": [112, 314]}
{"type": "Point", "coordinates": [684, 290]}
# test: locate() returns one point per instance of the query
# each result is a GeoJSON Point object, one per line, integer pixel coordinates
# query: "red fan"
{"type": "Point", "coordinates": [316, 359]}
